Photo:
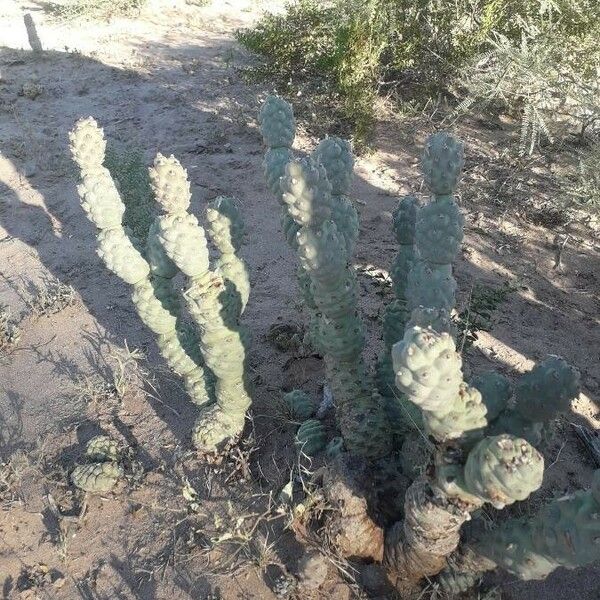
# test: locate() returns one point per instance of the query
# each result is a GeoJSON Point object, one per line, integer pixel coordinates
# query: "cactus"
{"type": "Point", "coordinates": [226, 229]}
{"type": "Point", "coordinates": [396, 313]}
{"type": "Point", "coordinates": [336, 157]}
{"type": "Point", "coordinates": [300, 405]}
{"type": "Point", "coordinates": [495, 390]}
{"type": "Point", "coordinates": [215, 299]}
{"type": "Point", "coordinates": [439, 227]}
{"type": "Point", "coordinates": [102, 471]}
{"type": "Point", "coordinates": [153, 296]}
{"type": "Point", "coordinates": [470, 470]}
{"type": "Point", "coordinates": [322, 253]}
{"type": "Point", "coordinates": [540, 395]}
{"type": "Point", "coordinates": [564, 533]}
{"type": "Point", "coordinates": [311, 437]}
{"type": "Point", "coordinates": [547, 390]}
{"type": "Point", "coordinates": [102, 448]}
{"type": "Point", "coordinates": [96, 478]}
{"type": "Point", "coordinates": [278, 128]}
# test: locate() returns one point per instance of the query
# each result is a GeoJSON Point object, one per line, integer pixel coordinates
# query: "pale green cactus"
{"type": "Point", "coordinates": [396, 312]}
{"type": "Point", "coordinates": [466, 418]}
{"type": "Point", "coordinates": [102, 448]}
{"type": "Point", "coordinates": [431, 286]}
{"type": "Point", "coordinates": [439, 227]}
{"type": "Point", "coordinates": [277, 124]}
{"type": "Point", "coordinates": [322, 254]}
{"type": "Point", "coordinates": [540, 396]}
{"type": "Point", "coordinates": [335, 154]}
{"type": "Point", "coordinates": [311, 437]}
{"type": "Point", "coordinates": [439, 231]}
{"type": "Point", "coordinates": [428, 369]}
{"type": "Point", "coordinates": [102, 471]}
{"type": "Point", "coordinates": [547, 390]}
{"type": "Point", "coordinates": [153, 295]}
{"type": "Point", "coordinates": [226, 229]}
{"type": "Point", "coordinates": [213, 304]}
{"type": "Point", "coordinates": [97, 478]}
{"type": "Point", "coordinates": [503, 469]}
{"type": "Point", "coordinates": [300, 405]}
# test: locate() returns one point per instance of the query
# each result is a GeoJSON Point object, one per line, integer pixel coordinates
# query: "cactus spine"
{"type": "Point", "coordinates": [322, 251]}
{"type": "Point", "coordinates": [214, 305]}
{"type": "Point", "coordinates": [153, 296]}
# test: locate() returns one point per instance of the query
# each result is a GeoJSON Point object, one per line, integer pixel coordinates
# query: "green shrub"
{"type": "Point", "coordinates": [358, 48]}
{"type": "Point", "coordinates": [95, 9]}
{"type": "Point", "coordinates": [548, 78]}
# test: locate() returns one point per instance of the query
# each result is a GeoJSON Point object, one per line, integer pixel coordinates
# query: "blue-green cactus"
{"type": "Point", "coordinates": [311, 437]}
{"type": "Point", "coordinates": [300, 405]}
{"type": "Point", "coordinates": [333, 283]}
{"type": "Point", "coordinates": [547, 390]}
{"type": "Point", "coordinates": [442, 163]}
{"type": "Point", "coordinates": [496, 391]}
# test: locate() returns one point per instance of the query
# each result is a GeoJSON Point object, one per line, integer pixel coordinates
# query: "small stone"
{"type": "Point", "coordinates": [312, 570]}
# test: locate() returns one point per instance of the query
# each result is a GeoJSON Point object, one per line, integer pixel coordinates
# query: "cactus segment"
{"type": "Point", "coordinates": [547, 390]}
{"type": "Point", "coordinates": [428, 368]}
{"type": "Point", "coordinates": [442, 163]}
{"type": "Point", "coordinates": [170, 184]}
{"type": "Point", "coordinates": [226, 229]}
{"type": "Point", "coordinates": [87, 143]}
{"type": "Point", "coordinates": [274, 164]}
{"type": "Point", "coordinates": [157, 304]}
{"type": "Point", "coordinates": [405, 220]}
{"type": "Point", "coordinates": [300, 405]}
{"type": "Point", "coordinates": [103, 471]}
{"type": "Point", "coordinates": [184, 241]}
{"type": "Point", "coordinates": [439, 231]}
{"type": "Point", "coordinates": [431, 286]}
{"type": "Point", "coordinates": [496, 391]}
{"type": "Point", "coordinates": [345, 217]}
{"type": "Point", "coordinates": [306, 192]}
{"type": "Point", "coordinates": [564, 533]}
{"type": "Point", "coordinates": [311, 437]}
{"type": "Point", "coordinates": [466, 418]}
{"type": "Point", "coordinates": [335, 154]}
{"type": "Point", "coordinates": [96, 478]}
{"type": "Point", "coordinates": [503, 469]}
{"type": "Point", "coordinates": [277, 123]}
{"type": "Point", "coordinates": [101, 448]}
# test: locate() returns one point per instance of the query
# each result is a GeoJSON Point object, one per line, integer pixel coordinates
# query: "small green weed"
{"type": "Point", "coordinates": [130, 173]}
{"type": "Point", "coordinates": [477, 316]}
{"type": "Point", "coordinates": [94, 9]}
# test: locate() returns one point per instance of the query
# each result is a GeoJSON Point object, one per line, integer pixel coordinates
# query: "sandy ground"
{"type": "Point", "coordinates": [169, 81]}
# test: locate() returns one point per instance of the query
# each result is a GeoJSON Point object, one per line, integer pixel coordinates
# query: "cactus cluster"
{"type": "Point", "coordinates": [210, 359]}
{"type": "Point", "coordinates": [101, 471]}
{"type": "Point", "coordinates": [322, 252]}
